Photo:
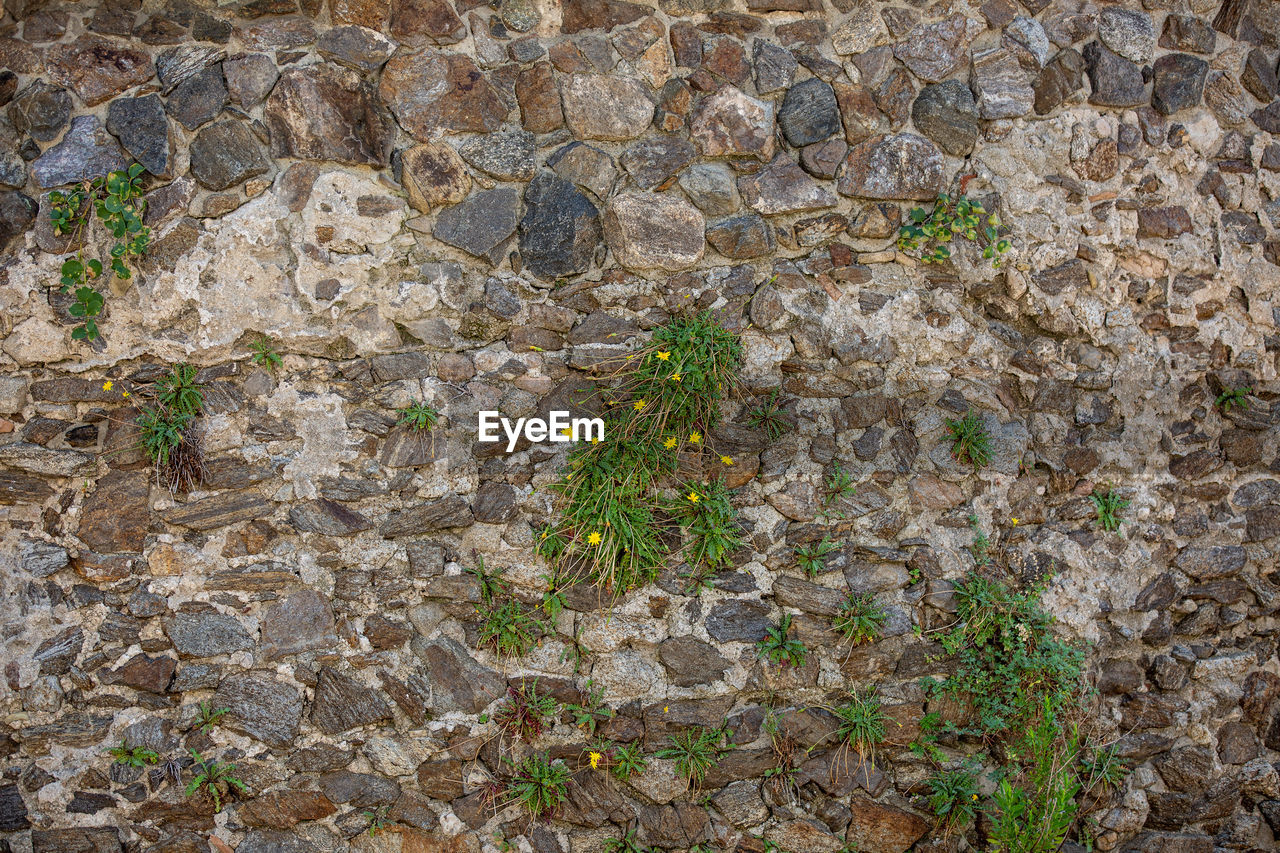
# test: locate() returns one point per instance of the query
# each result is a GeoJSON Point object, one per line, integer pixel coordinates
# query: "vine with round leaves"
{"type": "Point", "coordinates": [931, 230]}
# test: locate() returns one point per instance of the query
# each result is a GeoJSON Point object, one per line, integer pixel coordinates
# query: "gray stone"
{"type": "Point", "coordinates": [653, 161]}
{"type": "Point", "coordinates": [86, 152]}
{"type": "Point", "coordinates": [1116, 81]}
{"type": "Point", "coordinates": [218, 511]}
{"type": "Point", "coordinates": [775, 67]}
{"type": "Point", "coordinates": [690, 661]}
{"type": "Point", "coordinates": [731, 123]}
{"type": "Point", "coordinates": [361, 790]}
{"type": "Point", "coordinates": [507, 155]}
{"type": "Point", "coordinates": [738, 620]}
{"type": "Point", "coordinates": [711, 187]}
{"type": "Point", "coordinates": [654, 231]}
{"type": "Point", "coordinates": [356, 47]}
{"type": "Point", "coordinates": [1187, 32]}
{"type": "Point", "coordinates": [947, 114]}
{"type": "Point", "coordinates": [560, 230]}
{"type": "Point", "coordinates": [898, 166]}
{"type": "Point", "coordinates": [327, 517]}
{"type": "Point", "coordinates": [141, 127]}
{"type": "Point", "coordinates": [783, 187]}
{"type": "Point", "coordinates": [823, 159]}
{"type": "Point", "coordinates": [1026, 39]}
{"type": "Point", "coordinates": [302, 622]}
{"type": "Point", "coordinates": [225, 155]}
{"type": "Point", "coordinates": [588, 167]}
{"type": "Point", "coordinates": [459, 683]}
{"type": "Point", "coordinates": [178, 63]}
{"type": "Point", "coordinates": [41, 110]}
{"type": "Point", "coordinates": [482, 225]}
{"type": "Point", "coordinates": [323, 112]}
{"type": "Point", "coordinates": [207, 633]}
{"type": "Point", "coordinates": [809, 113]}
{"type": "Point", "coordinates": [250, 78]}
{"type": "Point", "coordinates": [42, 559]}
{"type": "Point", "coordinates": [1178, 83]}
{"type": "Point", "coordinates": [442, 514]}
{"type": "Point", "coordinates": [342, 704]}
{"type": "Point", "coordinates": [261, 706]}
{"type": "Point", "coordinates": [935, 51]}
{"type": "Point", "coordinates": [1127, 32]}
{"type": "Point", "coordinates": [520, 15]}
{"type": "Point", "coordinates": [1001, 85]}
{"type": "Point", "coordinates": [1258, 76]}
{"type": "Point", "coordinates": [741, 237]}
{"type": "Point", "coordinates": [199, 98]}
{"type": "Point", "coordinates": [605, 107]}
{"type": "Point", "coordinates": [431, 92]}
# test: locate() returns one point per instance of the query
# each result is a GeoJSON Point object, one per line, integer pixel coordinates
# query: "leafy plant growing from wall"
{"type": "Point", "coordinates": [539, 785]}
{"type": "Point", "coordinates": [215, 778]}
{"type": "Point", "coordinates": [167, 428]}
{"type": "Point", "coordinates": [931, 230]}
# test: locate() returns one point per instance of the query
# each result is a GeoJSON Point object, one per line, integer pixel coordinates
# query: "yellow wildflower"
{"type": "Point", "coordinates": [594, 538]}
{"type": "Point", "coordinates": [124, 393]}
{"type": "Point", "coordinates": [106, 386]}
{"type": "Point", "coordinates": [595, 440]}
{"type": "Point", "coordinates": [639, 404]}
{"type": "Point", "coordinates": [695, 437]}
{"type": "Point", "coordinates": [666, 708]}
{"type": "Point", "coordinates": [726, 460]}
{"type": "Point", "coordinates": [671, 443]}
{"type": "Point", "coordinates": [663, 356]}
{"type": "Point", "coordinates": [1015, 521]}
{"type": "Point", "coordinates": [595, 759]}
{"type": "Point", "coordinates": [675, 377]}
{"type": "Point", "coordinates": [693, 497]}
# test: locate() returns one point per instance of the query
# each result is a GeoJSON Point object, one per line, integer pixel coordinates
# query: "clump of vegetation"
{"type": "Point", "coordinates": [812, 557]}
{"type": "Point", "coordinates": [132, 756]}
{"type": "Point", "coordinates": [768, 416]}
{"type": "Point", "coordinates": [627, 844]}
{"type": "Point", "coordinates": [1108, 506]}
{"type": "Point", "coordinates": [539, 785]}
{"type": "Point", "coordinates": [980, 550]}
{"type": "Point", "coordinates": [509, 629]}
{"type": "Point", "coordinates": [265, 354]}
{"type": "Point", "coordinates": [970, 441]}
{"type": "Point", "coordinates": [492, 583]}
{"type": "Point", "coordinates": [1238, 397]}
{"type": "Point", "coordinates": [930, 231]}
{"type": "Point", "coordinates": [376, 819]}
{"type": "Point", "coordinates": [696, 751]}
{"type": "Point", "coordinates": [167, 428]}
{"type": "Point", "coordinates": [779, 648]}
{"type": "Point", "coordinates": [838, 486]}
{"type": "Point", "coordinates": [861, 721]}
{"type": "Point", "coordinates": [524, 713]}
{"type": "Point", "coordinates": [592, 712]}
{"type": "Point", "coordinates": [215, 778]}
{"type": "Point", "coordinates": [860, 619]}
{"type": "Point", "coordinates": [418, 416]}
{"type": "Point", "coordinates": [626, 760]}
{"type": "Point", "coordinates": [117, 201]}
{"type": "Point", "coordinates": [709, 521]}
{"type": "Point", "coordinates": [207, 717]}
{"type": "Point", "coordinates": [953, 797]}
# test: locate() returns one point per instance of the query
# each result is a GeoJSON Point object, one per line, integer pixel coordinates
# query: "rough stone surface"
{"type": "Point", "coordinates": [604, 107]}
{"type": "Point", "coordinates": [560, 229]}
{"type": "Point", "coordinates": [482, 225]}
{"type": "Point", "coordinates": [86, 151]}
{"type": "Point", "coordinates": [648, 231]}
{"type": "Point", "coordinates": [947, 114]}
{"type": "Point", "coordinates": [902, 166]}
{"type": "Point", "coordinates": [430, 93]}
{"type": "Point", "coordinates": [226, 154]}
{"type": "Point", "coordinates": [327, 113]}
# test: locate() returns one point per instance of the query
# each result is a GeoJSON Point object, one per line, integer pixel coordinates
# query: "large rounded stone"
{"type": "Point", "coordinates": [809, 113]}
{"type": "Point", "coordinates": [731, 123]}
{"type": "Point", "coordinates": [226, 154]}
{"type": "Point", "coordinates": [654, 231]}
{"type": "Point", "coordinates": [1127, 32]}
{"type": "Point", "coordinates": [602, 107]}
{"type": "Point", "coordinates": [482, 225]}
{"type": "Point", "coordinates": [898, 166]}
{"type": "Point", "coordinates": [86, 152]}
{"type": "Point", "coordinates": [1116, 81]}
{"type": "Point", "coordinates": [947, 114]}
{"type": "Point", "coordinates": [1178, 83]}
{"type": "Point", "coordinates": [560, 229]}
{"type": "Point", "coordinates": [323, 112]}
{"type": "Point", "coordinates": [430, 92]}
{"type": "Point", "coordinates": [97, 69]}
{"type": "Point", "coordinates": [41, 110]}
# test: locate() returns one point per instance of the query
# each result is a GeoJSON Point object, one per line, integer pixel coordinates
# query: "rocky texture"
{"type": "Point", "coordinates": [647, 231]}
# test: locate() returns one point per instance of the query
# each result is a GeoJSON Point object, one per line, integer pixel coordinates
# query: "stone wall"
{"type": "Point", "coordinates": [478, 205]}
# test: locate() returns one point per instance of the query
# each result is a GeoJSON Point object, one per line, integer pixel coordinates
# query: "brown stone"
{"type": "Point", "coordinates": [413, 21]}
{"type": "Point", "coordinates": [141, 672]}
{"type": "Point", "coordinates": [434, 175]}
{"type": "Point", "coordinates": [654, 231]}
{"type": "Point", "coordinates": [431, 92]}
{"type": "Point", "coordinates": [284, 809]}
{"type": "Point", "coordinates": [98, 69]}
{"type": "Point", "coordinates": [732, 123]}
{"type": "Point", "coordinates": [882, 828]}
{"type": "Point", "coordinates": [1163, 222]}
{"type": "Point", "coordinates": [598, 106]}
{"type": "Point", "coordinates": [323, 112]}
{"type": "Point", "coordinates": [539, 99]}
{"type": "Point", "coordinates": [116, 516]}
{"type": "Point", "coordinates": [367, 13]}
{"type": "Point", "coordinates": [898, 166]}
{"type": "Point", "coordinates": [579, 15]}
{"type": "Point", "coordinates": [219, 511]}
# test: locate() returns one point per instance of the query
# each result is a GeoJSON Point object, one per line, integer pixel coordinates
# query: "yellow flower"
{"type": "Point", "coordinates": [595, 759]}
{"type": "Point", "coordinates": [594, 538]}
{"type": "Point", "coordinates": [124, 393]}
{"type": "Point", "coordinates": [595, 441]}
{"type": "Point", "coordinates": [727, 460]}
{"type": "Point", "coordinates": [666, 708]}
{"type": "Point", "coordinates": [693, 497]}
{"type": "Point", "coordinates": [639, 404]}
{"type": "Point", "coordinates": [671, 443]}
{"type": "Point", "coordinates": [695, 437]}
{"type": "Point", "coordinates": [106, 386]}
{"type": "Point", "coordinates": [675, 377]}
{"type": "Point", "coordinates": [1015, 521]}
{"type": "Point", "coordinates": [663, 356]}
{"type": "Point", "coordinates": [975, 796]}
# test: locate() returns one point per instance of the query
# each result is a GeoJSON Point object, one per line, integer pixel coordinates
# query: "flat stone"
{"type": "Point", "coordinates": [301, 622]}
{"type": "Point", "coordinates": [115, 518]}
{"type": "Point", "coordinates": [560, 230]}
{"type": "Point", "coordinates": [738, 620]}
{"type": "Point", "coordinates": [143, 130]}
{"type": "Point", "coordinates": [897, 166]}
{"type": "Point", "coordinates": [1211, 562]}
{"type": "Point", "coordinates": [342, 704]}
{"type": "Point", "coordinates": [219, 511]}
{"type": "Point", "coordinates": [947, 114]}
{"type": "Point", "coordinates": [226, 154]}
{"type": "Point", "coordinates": [1116, 82]}
{"type": "Point", "coordinates": [1071, 275]}
{"type": "Point", "coordinates": [783, 187]}
{"type": "Point", "coordinates": [356, 47]}
{"type": "Point", "coordinates": [539, 99]}
{"type": "Point", "coordinates": [1163, 222]}
{"type": "Point", "coordinates": [775, 67]}
{"type": "Point", "coordinates": [1187, 32]}
{"type": "Point", "coordinates": [588, 167]}
{"type": "Point", "coordinates": [430, 92]}
{"type": "Point", "coordinates": [654, 231]}
{"type": "Point", "coordinates": [261, 706]}
{"type": "Point", "coordinates": [597, 106]}
{"type": "Point", "coordinates": [434, 175]}
{"type": "Point", "coordinates": [284, 809]}
{"type": "Point", "coordinates": [86, 152]}
{"type": "Point", "coordinates": [1268, 118]}
{"type": "Point", "coordinates": [103, 840]}
{"type": "Point", "coordinates": [327, 517]}
{"type": "Point", "coordinates": [323, 112]}
{"type": "Point", "coordinates": [1060, 79]}
{"type": "Point", "coordinates": [1258, 76]}
{"type": "Point", "coordinates": [206, 633]}
{"type": "Point", "coordinates": [809, 113]}
{"type": "Point", "coordinates": [442, 514]}
{"type": "Point", "coordinates": [1026, 39]}
{"type": "Point", "coordinates": [178, 63]}
{"type": "Point", "coordinates": [823, 159]}
{"type": "Point", "coordinates": [432, 21]}
{"type": "Point", "coordinates": [882, 828]}
{"type": "Point", "coordinates": [741, 237]}
{"type": "Point", "coordinates": [1127, 32]}
{"type": "Point", "coordinates": [13, 811]}
{"type": "Point", "coordinates": [690, 661]}
{"type": "Point", "coordinates": [98, 69]}
{"type": "Point", "coordinates": [731, 123]}
{"type": "Point", "coordinates": [460, 684]}
{"type": "Point", "coordinates": [1178, 83]}
{"type": "Point", "coordinates": [482, 225]}
{"type": "Point", "coordinates": [41, 111]}
{"type": "Point", "coordinates": [1001, 85]}
{"type": "Point", "coordinates": [51, 462]}
{"type": "Point", "coordinates": [42, 559]}
{"type": "Point", "coordinates": [507, 155]}
{"type": "Point", "coordinates": [861, 31]}
{"type": "Point", "coordinates": [652, 162]}
{"type": "Point", "coordinates": [935, 51]}
{"type": "Point", "coordinates": [141, 672]}
{"type": "Point", "coordinates": [250, 78]}
{"type": "Point", "coordinates": [579, 15]}
{"type": "Point", "coordinates": [199, 98]}
{"type": "Point", "coordinates": [711, 187]}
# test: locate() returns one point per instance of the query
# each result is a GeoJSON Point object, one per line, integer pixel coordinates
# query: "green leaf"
{"type": "Point", "coordinates": [72, 267]}
{"type": "Point", "coordinates": [135, 170]}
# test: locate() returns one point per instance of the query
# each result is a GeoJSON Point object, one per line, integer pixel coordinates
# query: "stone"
{"type": "Point", "coordinates": [356, 47]}
{"type": "Point", "coordinates": [882, 828]}
{"type": "Point", "coordinates": [261, 706]}
{"type": "Point", "coordinates": [17, 214]}
{"type": "Point", "coordinates": [585, 166]}
{"type": "Point", "coordinates": [1178, 82]}
{"type": "Point", "coordinates": [284, 809]}
{"type": "Point", "coordinates": [690, 661]}
{"type": "Point", "coordinates": [775, 67]}
{"type": "Point", "coordinates": [731, 123]}
{"type": "Point", "coordinates": [809, 113]}
{"type": "Point", "coordinates": [673, 826]}
{"type": "Point", "coordinates": [1163, 222]}
{"type": "Point", "coordinates": [1071, 275]}
{"type": "Point", "coordinates": [226, 154]}
{"type": "Point", "coordinates": [579, 15]}
{"type": "Point", "coordinates": [1258, 76]}
{"type": "Point", "coordinates": [102, 840]}
{"type": "Point", "coordinates": [430, 92]}
{"type": "Point", "coordinates": [199, 98]}
{"type": "Point", "coordinates": [250, 78]}
{"type": "Point", "coordinates": [13, 811]}
{"type": "Point", "coordinates": [342, 704]}
{"type": "Point", "coordinates": [433, 175]}
{"type": "Point", "coordinates": [741, 237]}
{"type": "Point", "coordinates": [301, 622]}
{"type": "Point", "coordinates": [41, 111]}
{"type": "Point", "coordinates": [418, 21]}
{"type": "Point", "coordinates": [1116, 82]}
{"type": "Point", "coordinates": [115, 518]}
{"type": "Point", "coordinates": [1127, 32]}
{"type": "Point", "coordinates": [654, 231]}
{"type": "Point", "coordinates": [935, 51]}
{"type": "Point", "coordinates": [895, 166]}
{"type": "Point", "coordinates": [1211, 562]}
{"type": "Point", "coordinates": [327, 517]}
{"type": "Point", "coordinates": [861, 31]}
{"type": "Point", "coordinates": [152, 675]}
{"type": "Point", "coordinates": [738, 620]}
{"type": "Point", "coordinates": [50, 462]}
{"type": "Point", "coordinates": [560, 229]}
{"type": "Point", "coordinates": [539, 99]}
{"type": "Point", "coordinates": [178, 63]}
{"type": "Point", "coordinates": [947, 114]}
{"type": "Point", "coordinates": [507, 155]}
{"type": "Point", "coordinates": [1026, 39]}
{"type": "Point", "coordinates": [711, 187]}
{"type": "Point", "coordinates": [98, 69]}
{"type": "Point", "coordinates": [42, 559]}
{"type": "Point", "coordinates": [218, 511]}
{"type": "Point", "coordinates": [86, 152]}
{"type": "Point", "coordinates": [442, 514]}
{"type": "Point", "coordinates": [322, 112]}
{"type": "Point", "coordinates": [1001, 85]}
{"type": "Point", "coordinates": [482, 225]}
{"type": "Point", "coordinates": [1186, 32]}
{"type": "Point", "coordinates": [460, 684]}
{"type": "Point", "coordinates": [598, 106]}
{"type": "Point", "coordinates": [652, 162]}
{"type": "Point", "coordinates": [206, 633]}
{"type": "Point", "coordinates": [143, 130]}
{"type": "Point", "coordinates": [783, 187]}
{"type": "Point", "coordinates": [1060, 79]}
{"type": "Point", "coordinates": [1268, 118]}
{"type": "Point", "coordinates": [496, 503]}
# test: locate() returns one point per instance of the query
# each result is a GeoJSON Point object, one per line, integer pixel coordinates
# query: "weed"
{"type": "Point", "coordinates": [699, 580]}
{"type": "Point", "coordinates": [777, 647]}
{"type": "Point", "coordinates": [931, 230]}
{"type": "Point", "coordinates": [709, 520]}
{"type": "Point", "coordinates": [626, 760]}
{"type": "Point", "coordinates": [695, 752]}
{"type": "Point", "coordinates": [265, 354]}
{"type": "Point", "coordinates": [589, 715]}
{"type": "Point", "coordinates": [839, 485]}
{"type": "Point", "coordinates": [376, 819]}
{"type": "Point", "coordinates": [861, 721]}
{"type": "Point", "coordinates": [551, 543]}
{"type": "Point", "coordinates": [627, 844]}
{"type": "Point", "coordinates": [575, 649]}
{"type": "Point", "coordinates": [981, 547]}
{"type": "Point", "coordinates": [525, 714]}
{"type": "Point", "coordinates": [1104, 768]}
{"type": "Point", "coordinates": [970, 441]}
{"type": "Point", "coordinates": [953, 796]}
{"type": "Point", "coordinates": [418, 416]}
{"type": "Point", "coordinates": [768, 416]}
{"type": "Point", "coordinates": [492, 584]}
{"type": "Point", "coordinates": [215, 778]}
{"type": "Point", "coordinates": [1035, 815]}
{"type": "Point", "coordinates": [539, 785]}
{"type": "Point", "coordinates": [168, 434]}
{"type": "Point", "coordinates": [132, 756]}
{"type": "Point", "coordinates": [178, 390]}
{"type": "Point", "coordinates": [812, 558]}
{"type": "Point", "coordinates": [783, 775]}
{"type": "Point", "coordinates": [1238, 397]}
{"type": "Point", "coordinates": [509, 629]}
{"type": "Point", "coordinates": [1108, 505]}
{"type": "Point", "coordinates": [207, 717]}
{"type": "Point", "coordinates": [860, 619]}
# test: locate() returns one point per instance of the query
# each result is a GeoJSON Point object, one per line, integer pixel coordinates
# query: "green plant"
{"type": "Point", "coordinates": [709, 520]}
{"type": "Point", "coordinates": [931, 230]}
{"type": "Point", "coordinates": [376, 819]}
{"type": "Point", "coordinates": [117, 201]}
{"type": "Point", "coordinates": [768, 416]}
{"type": "Point", "coordinates": [575, 649]}
{"type": "Point", "coordinates": [695, 752]}
{"type": "Point", "coordinates": [418, 416]}
{"type": "Point", "coordinates": [1238, 397]}
{"type": "Point", "coordinates": [1035, 815]}
{"type": "Point", "coordinates": [627, 844]}
{"type": "Point", "coordinates": [953, 796]}
{"type": "Point", "coordinates": [524, 713]}
{"type": "Point", "coordinates": [981, 547]}
{"type": "Point", "coordinates": [509, 629]}
{"type": "Point", "coordinates": [162, 431]}
{"type": "Point", "coordinates": [539, 785]}
{"type": "Point", "coordinates": [861, 721]}
{"type": "Point", "coordinates": [970, 441]}
{"type": "Point", "coordinates": [551, 543]}
{"type": "Point", "coordinates": [812, 557]}
{"type": "Point", "coordinates": [167, 432]}
{"type": "Point", "coordinates": [777, 647]}
{"type": "Point", "coordinates": [207, 717]}
{"type": "Point", "coordinates": [860, 619]}
{"type": "Point", "coordinates": [492, 583]}
{"type": "Point", "coordinates": [1103, 767]}
{"type": "Point", "coordinates": [839, 485]}
{"type": "Point", "coordinates": [626, 760]}
{"type": "Point", "coordinates": [1108, 505]}
{"type": "Point", "coordinates": [264, 353]}
{"type": "Point", "coordinates": [178, 390]}
{"type": "Point", "coordinates": [593, 712]}
{"type": "Point", "coordinates": [215, 778]}
{"type": "Point", "coordinates": [132, 756]}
